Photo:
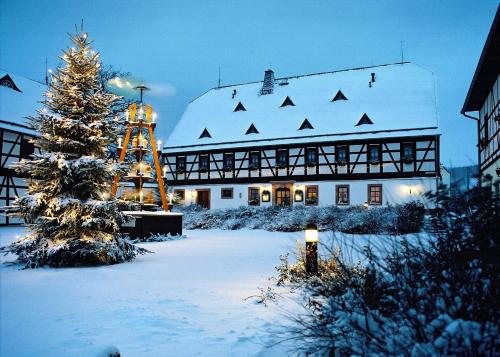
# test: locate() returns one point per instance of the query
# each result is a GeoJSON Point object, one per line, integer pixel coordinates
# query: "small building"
{"type": "Point", "coordinates": [350, 137]}
{"type": "Point", "coordinates": [483, 97]}
{"type": "Point", "coordinates": [19, 98]}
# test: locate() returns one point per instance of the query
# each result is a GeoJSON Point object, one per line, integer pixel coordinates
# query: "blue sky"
{"type": "Point", "coordinates": [178, 46]}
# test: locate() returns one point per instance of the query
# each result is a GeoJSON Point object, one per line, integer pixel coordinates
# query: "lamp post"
{"type": "Point", "coordinates": [312, 249]}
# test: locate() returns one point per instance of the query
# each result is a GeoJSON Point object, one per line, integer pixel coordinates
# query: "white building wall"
{"type": "Point", "coordinates": [394, 191]}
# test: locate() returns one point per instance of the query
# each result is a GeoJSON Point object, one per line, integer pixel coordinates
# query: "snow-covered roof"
{"type": "Point", "coordinates": [401, 101]}
{"type": "Point", "coordinates": [19, 101]}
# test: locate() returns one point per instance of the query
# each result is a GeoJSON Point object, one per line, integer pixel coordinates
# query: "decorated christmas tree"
{"type": "Point", "coordinates": [72, 218]}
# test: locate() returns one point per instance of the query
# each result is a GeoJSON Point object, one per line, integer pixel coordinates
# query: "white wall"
{"type": "Point", "coordinates": [393, 191]}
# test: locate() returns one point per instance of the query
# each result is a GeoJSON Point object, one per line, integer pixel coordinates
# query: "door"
{"type": "Point", "coordinates": [283, 196]}
{"type": "Point", "coordinates": [203, 198]}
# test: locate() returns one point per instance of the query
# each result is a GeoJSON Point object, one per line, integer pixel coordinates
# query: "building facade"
{"type": "Point", "coordinates": [365, 136]}
{"type": "Point", "coordinates": [483, 97]}
{"type": "Point", "coordinates": [19, 98]}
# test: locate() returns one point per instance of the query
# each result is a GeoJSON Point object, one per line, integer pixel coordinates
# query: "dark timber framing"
{"type": "Point", "coordinates": [356, 167]}
{"type": "Point", "coordinates": [15, 146]}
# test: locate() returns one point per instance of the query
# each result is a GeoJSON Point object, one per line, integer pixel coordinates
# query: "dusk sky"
{"type": "Point", "coordinates": [176, 47]}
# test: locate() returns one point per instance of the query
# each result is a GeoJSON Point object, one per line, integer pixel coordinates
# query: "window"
{"type": "Point", "coordinates": [408, 152]}
{"type": "Point", "coordinates": [342, 194]}
{"type": "Point", "coordinates": [374, 154]}
{"type": "Point", "coordinates": [287, 102]}
{"type": "Point", "coordinates": [239, 107]}
{"type": "Point", "coordinates": [253, 196]}
{"type": "Point", "coordinates": [26, 148]}
{"type": "Point", "coordinates": [181, 194]}
{"type": "Point", "coordinates": [282, 158]}
{"type": "Point", "coordinates": [374, 194]}
{"type": "Point", "coordinates": [312, 195]}
{"type": "Point", "coordinates": [254, 160]}
{"type": "Point", "coordinates": [306, 125]}
{"type": "Point", "coordinates": [311, 156]}
{"type": "Point", "coordinates": [226, 193]}
{"type": "Point", "coordinates": [341, 155]}
{"type": "Point", "coordinates": [204, 163]}
{"type": "Point", "coordinates": [365, 119]}
{"type": "Point", "coordinates": [181, 164]}
{"type": "Point", "coordinates": [205, 134]}
{"type": "Point", "coordinates": [283, 196]}
{"type": "Point", "coordinates": [228, 162]}
{"type": "Point", "coordinates": [252, 130]}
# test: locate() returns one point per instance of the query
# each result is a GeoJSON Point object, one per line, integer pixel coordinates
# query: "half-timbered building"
{"type": "Point", "coordinates": [19, 98]}
{"type": "Point", "coordinates": [483, 99]}
{"type": "Point", "coordinates": [351, 137]}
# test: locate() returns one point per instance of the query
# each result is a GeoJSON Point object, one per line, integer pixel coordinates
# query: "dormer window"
{"type": "Point", "coordinates": [239, 108]}
{"type": "Point", "coordinates": [339, 96]}
{"type": "Point", "coordinates": [306, 125]}
{"type": "Point", "coordinates": [287, 102]}
{"type": "Point", "coordinates": [252, 130]}
{"type": "Point", "coordinates": [6, 81]}
{"type": "Point", "coordinates": [364, 120]}
{"type": "Point", "coordinates": [205, 134]}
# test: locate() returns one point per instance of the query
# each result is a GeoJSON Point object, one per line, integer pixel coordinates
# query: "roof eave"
{"type": "Point", "coordinates": [486, 70]}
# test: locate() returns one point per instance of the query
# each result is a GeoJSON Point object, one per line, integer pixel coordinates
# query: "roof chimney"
{"type": "Point", "coordinates": [268, 85]}
{"type": "Point", "coordinates": [373, 77]}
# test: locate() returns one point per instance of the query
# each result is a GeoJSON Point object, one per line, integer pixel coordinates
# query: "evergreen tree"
{"type": "Point", "coordinates": [72, 220]}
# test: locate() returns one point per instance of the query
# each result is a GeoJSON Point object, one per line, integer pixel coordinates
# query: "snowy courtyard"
{"type": "Point", "coordinates": [185, 299]}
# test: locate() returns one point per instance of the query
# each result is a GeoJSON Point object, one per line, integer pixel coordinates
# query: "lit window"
{"type": "Point", "coordinates": [342, 194]}
{"type": "Point", "coordinates": [312, 195]}
{"type": "Point", "coordinates": [374, 194]}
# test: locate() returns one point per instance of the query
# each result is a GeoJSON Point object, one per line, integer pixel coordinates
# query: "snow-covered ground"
{"type": "Point", "coordinates": [186, 299]}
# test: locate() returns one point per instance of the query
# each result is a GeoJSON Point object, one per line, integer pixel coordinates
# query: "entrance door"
{"type": "Point", "coordinates": [203, 198]}
{"type": "Point", "coordinates": [283, 196]}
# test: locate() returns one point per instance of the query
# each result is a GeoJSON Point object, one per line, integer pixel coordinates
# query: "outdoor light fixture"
{"type": "Point", "coordinates": [365, 205]}
{"type": "Point", "coordinates": [312, 248]}
{"type": "Point", "coordinates": [299, 195]}
{"type": "Point", "coordinates": [266, 196]}
{"type": "Point", "coordinates": [498, 171]}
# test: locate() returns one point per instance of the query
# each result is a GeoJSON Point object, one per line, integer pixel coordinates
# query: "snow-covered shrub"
{"type": "Point", "coordinates": [415, 296]}
{"type": "Point", "coordinates": [400, 219]}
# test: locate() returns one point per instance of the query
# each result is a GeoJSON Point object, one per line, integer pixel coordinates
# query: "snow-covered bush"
{"type": "Point", "coordinates": [407, 218]}
{"type": "Point", "coordinates": [412, 296]}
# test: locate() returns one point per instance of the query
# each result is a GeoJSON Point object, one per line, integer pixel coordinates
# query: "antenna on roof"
{"type": "Point", "coordinates": [218, 86]}
{"type": "Point", "coordinates": [402, 53]}
{"type": "Point", "coordinates": [46, 73]}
